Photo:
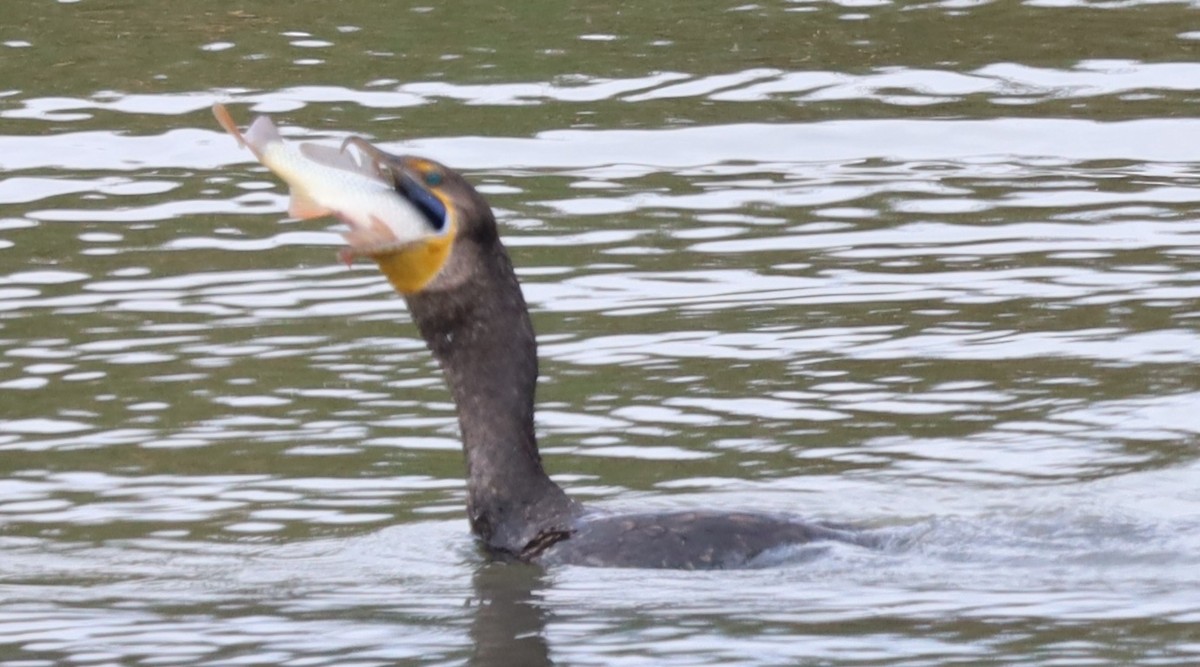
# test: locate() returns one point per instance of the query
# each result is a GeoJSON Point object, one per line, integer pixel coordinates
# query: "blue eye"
{"type": "Point", "coordinates": [433, 179]}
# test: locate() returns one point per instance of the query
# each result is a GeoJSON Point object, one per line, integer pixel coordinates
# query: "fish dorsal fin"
{"type": "Point", "coordinates": [302, 207]}
{"type": "Point", "coordinates": [338, 159]}
{"type": "Point", "coordinates": [262, 132]}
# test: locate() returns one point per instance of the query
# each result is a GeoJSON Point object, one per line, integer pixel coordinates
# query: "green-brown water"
{"type": "Point", "coordinates": [931, 267]}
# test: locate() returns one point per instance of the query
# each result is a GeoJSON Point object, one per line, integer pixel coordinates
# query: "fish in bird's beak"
{"type": "Point", "coordinates": [394, 212]}
{"type": "Point", "coordinates": [410, 267]}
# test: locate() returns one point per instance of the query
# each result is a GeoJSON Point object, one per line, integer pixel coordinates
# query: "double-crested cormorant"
{"type": "Point", "coordinates": [465, 299]}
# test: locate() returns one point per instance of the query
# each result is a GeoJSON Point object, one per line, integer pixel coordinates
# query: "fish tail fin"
{"type": "Point", "coordinates": [262, 131]}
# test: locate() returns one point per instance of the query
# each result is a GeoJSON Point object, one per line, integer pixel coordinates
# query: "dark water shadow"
{"type": "Point", "coordinates": [509, 627]}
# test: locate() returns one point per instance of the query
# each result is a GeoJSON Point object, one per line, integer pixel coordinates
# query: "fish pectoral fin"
{"type": "Point", "coordinates": [302, 207]}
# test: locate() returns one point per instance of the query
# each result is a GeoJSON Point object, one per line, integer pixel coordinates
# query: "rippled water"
{"type": "Point", "coordinates": [932, 268]}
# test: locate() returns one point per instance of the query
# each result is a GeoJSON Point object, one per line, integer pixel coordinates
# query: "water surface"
{"type": "Point", "coordinates": [927, 267]}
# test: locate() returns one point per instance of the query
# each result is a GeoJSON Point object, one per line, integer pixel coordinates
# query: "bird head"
{"type": "Point", "coordinates": [455, 211]}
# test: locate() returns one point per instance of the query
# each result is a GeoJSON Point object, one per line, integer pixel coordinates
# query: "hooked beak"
{"type": "Point", "coordinates": [411, 266]}
{"type": "Point", "coordinates": [407, 180]}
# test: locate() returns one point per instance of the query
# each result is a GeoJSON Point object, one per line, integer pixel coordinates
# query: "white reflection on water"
{"type": "Point", "coordinates": [399, 592]}
{"type": "Point", "coordinates": [975, 336]}
{"type": "Point", "coordinates": [1149, 140]}
{"type": "Point", "coordinates": [1002, 83]}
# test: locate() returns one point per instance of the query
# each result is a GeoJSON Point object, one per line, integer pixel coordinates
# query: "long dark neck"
{"type": "Point", "coordinates": [480, 333]}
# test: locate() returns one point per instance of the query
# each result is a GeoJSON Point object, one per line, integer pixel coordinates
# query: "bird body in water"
{"type": "Point", "coordinates": [474, 319]}
{"type": "Point", "coordinates": [469, 308]}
